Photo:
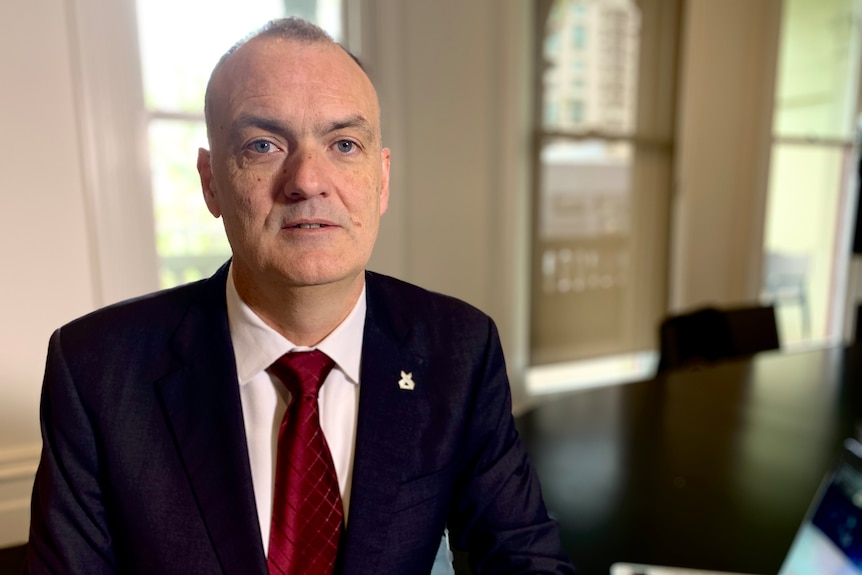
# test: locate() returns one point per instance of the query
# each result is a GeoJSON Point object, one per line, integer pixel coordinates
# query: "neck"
{"type": "Point", "coordinates": [303, 314]}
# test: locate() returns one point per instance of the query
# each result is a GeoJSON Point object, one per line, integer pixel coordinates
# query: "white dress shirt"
{"type": "Point", "coordinates": [265, 399]}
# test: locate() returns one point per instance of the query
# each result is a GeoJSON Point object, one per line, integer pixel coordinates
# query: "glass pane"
{"type": "Point", "coordinates": [584, 190]}
{"type": "Point", "coordinates": [591, 65]}
{"type": "Point", "coordinates": [181, 41]}
{"type": "Point", "coordinates": [584, 229]}
{"type": "Point", "coordinates": [806, 192]}
{"type": "Point", "coordinates": [190, 242]}
{"type": "Point", "coordinates": [818, 69]}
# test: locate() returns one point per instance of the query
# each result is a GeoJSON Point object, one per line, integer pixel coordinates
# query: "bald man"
{"type": "Point", "coordinates": [162, 416]}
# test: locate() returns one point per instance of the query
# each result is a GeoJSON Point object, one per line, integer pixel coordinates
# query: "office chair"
{"type": "Point", "coordinates": [786, 282]}
{"type": "Point", "coordinates": [711, 334]}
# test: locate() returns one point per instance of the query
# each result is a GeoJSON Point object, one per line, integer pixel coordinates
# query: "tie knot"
{"type": "Point", "coordinates": [303, 372]}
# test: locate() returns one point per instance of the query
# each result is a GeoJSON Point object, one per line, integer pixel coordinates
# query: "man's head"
{"type": "Point", "coordinates": [296, 169]}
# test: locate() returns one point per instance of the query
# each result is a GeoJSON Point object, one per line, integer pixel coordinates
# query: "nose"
{"type": "Point", "coordinates": [306, 173]}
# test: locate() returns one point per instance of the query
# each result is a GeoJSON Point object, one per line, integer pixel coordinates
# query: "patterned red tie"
{"type": "Point", "coordinates": [306, 509]}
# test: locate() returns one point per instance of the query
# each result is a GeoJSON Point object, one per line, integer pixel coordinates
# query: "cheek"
{"type": "Point", "coordinates": [248, 194]}
{"type": "Point", "coordinates": [364, 199]}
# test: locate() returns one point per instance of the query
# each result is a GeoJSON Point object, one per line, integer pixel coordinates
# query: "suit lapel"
{"type": "Point", "coordinates": [385, 425]}
{"type": "Point", "coordinates": [202, 404]}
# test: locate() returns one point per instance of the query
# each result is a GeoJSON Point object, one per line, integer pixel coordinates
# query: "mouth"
{"type": "Point", "coordinates": [309, 224]}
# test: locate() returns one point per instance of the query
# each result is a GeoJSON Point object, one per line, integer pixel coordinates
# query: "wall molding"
{"type": "Point", "coordinates": [17, 470]}
{"type": "Point", "coordinates": [19, 462]}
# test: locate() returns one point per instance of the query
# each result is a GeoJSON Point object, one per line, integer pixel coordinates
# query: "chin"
{"type": "Point", "coordinates": [318, 277]}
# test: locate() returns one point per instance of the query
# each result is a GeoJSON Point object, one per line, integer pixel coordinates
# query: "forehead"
{"type": "Point", "coordinates": [277, 76]}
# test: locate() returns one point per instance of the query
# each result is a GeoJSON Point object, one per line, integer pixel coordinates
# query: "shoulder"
{"type": "Point", "coordinates": [145, 310]}
{"type": "Point", "coordinates": [145, 321]}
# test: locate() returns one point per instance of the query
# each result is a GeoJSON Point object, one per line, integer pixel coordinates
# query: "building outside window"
{"type": "Point", "coordinates": [579, 37]}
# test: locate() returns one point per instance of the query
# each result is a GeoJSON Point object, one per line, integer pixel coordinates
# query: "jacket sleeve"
{"type": "Point", "coordinates": [68, 528]}
{"type": "Point", "coordinates": [498, 514]}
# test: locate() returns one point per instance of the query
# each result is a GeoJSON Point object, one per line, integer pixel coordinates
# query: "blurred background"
{"type": "Point", "coordinates": [578, 169]}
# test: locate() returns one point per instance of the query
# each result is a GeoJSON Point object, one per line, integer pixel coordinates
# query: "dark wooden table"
{"type": "Point", "coordinates": [709, 468]}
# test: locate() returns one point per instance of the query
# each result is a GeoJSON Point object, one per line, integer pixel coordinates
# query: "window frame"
{"type": "Point", "coordinates": [653, 132]}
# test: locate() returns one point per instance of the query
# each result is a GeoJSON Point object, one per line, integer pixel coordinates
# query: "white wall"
{"type": "Point", "coordinates": [46, 257]}
{"type": "Point", "coordinates": [724, 128]}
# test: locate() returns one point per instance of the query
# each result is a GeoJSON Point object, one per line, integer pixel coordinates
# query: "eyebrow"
{"type": "Point", "coordinates": [252, 121]}
{"type": "Point", "coordinates": [356, 121]}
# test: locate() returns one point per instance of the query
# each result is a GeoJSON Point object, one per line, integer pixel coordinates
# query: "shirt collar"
{"type": "Point", "coordinates": [256, 345]}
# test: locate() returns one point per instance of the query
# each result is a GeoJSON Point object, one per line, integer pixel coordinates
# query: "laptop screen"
{"type": "Point", "coordinates": [830, 539]}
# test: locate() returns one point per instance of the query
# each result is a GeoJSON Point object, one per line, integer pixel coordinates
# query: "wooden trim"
{"type": "Point", "coordinates": [17, 470]}
{"type": "Point", "coordinates": [635, 139]}
{"type": "Point", "coordinates": [845, 143]}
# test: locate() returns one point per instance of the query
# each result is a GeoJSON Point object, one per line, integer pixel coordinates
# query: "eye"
{"type": "Point", "coordinates": [262, 147]}
{"type": "Point", "coordinates": [345, 146]}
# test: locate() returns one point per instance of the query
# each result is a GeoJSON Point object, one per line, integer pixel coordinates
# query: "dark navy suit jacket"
{"type": "Point", "coordinates": [145, 467]}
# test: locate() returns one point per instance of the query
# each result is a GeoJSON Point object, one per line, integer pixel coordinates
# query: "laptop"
{"type": "Point", "coordinates": [829, 541]}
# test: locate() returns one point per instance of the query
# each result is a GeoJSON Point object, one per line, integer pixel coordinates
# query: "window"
{"type": "Point", "coordinates": [576, 111]}
{"type": "Point", "coordinates": [551, 113]}
{"type": "Point", "coordinates": [552, 43]}
{"type": "Point", "coordinates": [176, 62]}
{"type": "Point", "coordinates": [579, 37]}
{"type": "Point", "coordinates": [602, 188]}
{"type": "Point", "coordinates": [811, 183]}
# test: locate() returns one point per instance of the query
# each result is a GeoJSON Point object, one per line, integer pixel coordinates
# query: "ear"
{"type": "Point", "coordinates": [384, 180]}
{"type": "Point", "coordinates": [206, 173]}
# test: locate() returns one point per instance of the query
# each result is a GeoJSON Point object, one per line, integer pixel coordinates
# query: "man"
{"type": "Point", "coordinates": [163, 416]}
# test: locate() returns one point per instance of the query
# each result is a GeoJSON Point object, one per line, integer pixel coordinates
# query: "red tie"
{"type": "Point", "coordinates": [306, 509]}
